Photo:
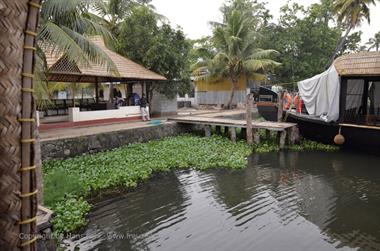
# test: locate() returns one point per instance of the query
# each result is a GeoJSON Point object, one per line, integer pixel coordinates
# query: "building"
{"type": "Point", "coordinates": [218, 93]}
{"type": "Point", "coordinates": [126, 81]}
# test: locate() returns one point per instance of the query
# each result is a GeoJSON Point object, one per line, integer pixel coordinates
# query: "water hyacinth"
{"type": "Point", "coordinates": [67, 180]}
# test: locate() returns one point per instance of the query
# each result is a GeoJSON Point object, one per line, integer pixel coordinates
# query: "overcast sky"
{"type": "Point", "coordinates": [193, 15]}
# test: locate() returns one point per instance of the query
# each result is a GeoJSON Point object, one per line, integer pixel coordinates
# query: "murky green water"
{"type": "Point", "coordinates": [283, 201]}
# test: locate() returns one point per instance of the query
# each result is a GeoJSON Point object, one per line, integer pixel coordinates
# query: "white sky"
{"type": "Point", "coordinates": [193, 15]}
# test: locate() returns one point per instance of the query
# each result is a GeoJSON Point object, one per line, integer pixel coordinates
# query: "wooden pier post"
{"type": "Point", "coordinates": [232, 132]}
{"type": "Point", "coordinates": [293, 137]}
{"type": "Point", "coordinates": [207, 131]}
{"type": "Point", "coordinates": [280, 106]}
{"type": "Point", "coordinates": [243, 133]}
{"type": "Point", "coordinates": [282, 142]}
{"type": "Point", "coordinates": [267, 134]}
{"type": "Point", "coordinates": [256, 136]}
{"type": "Point", "coordinates": [218, 130]}
{"type": "Point", "coordinates": [249, 118]}
{"type": "Point", "coordinates": [226, 131]}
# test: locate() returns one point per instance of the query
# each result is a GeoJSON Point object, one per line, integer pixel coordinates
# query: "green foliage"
{"type": "Point", "coordinates": [308, 145]}
{"type": "Point", "coordinates": [70, 214]}
{"type": "Point", "coordinates": [64, 26]}
{"type": "Point", "coordinates": [352, 12]}
{"type": "Point", "coordinates": [160, 48]}
{"type": "Point", "coordinates": [305, 39]}
{"type": "Point", "coordinates": [271, 145]}
{"type": "Point", "coordinates": [374, 43]}
{"type": "Point", "coordinates": [66, 181]}
{"type": "Point", "coordinates": [236, 51]}
{"type": "Point", "coordinates": [59, 182]}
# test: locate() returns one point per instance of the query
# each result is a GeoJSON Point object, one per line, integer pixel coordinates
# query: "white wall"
{"type": "Point", "coordinates": [123, 112]}
{"type": "Point", "coordinates": [163, 106]}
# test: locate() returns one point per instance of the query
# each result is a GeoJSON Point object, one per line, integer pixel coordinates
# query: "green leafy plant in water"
{"type": "Point", "coordinates": [67, 181]}
{"type": "Point", "coordinates": [70, 214]}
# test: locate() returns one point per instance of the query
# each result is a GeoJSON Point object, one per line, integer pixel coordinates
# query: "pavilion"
{"type": "Point", "coordinates": [129, 76]}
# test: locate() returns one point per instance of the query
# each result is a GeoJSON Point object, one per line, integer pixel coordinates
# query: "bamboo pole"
{"type": "Point", "coordinates": [18, 201]}
{"type": "Point", "coordinates": [249, 105]}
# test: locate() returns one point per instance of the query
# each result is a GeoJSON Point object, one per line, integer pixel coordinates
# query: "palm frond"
{"type": "Point", "coordinates": [254, 65]}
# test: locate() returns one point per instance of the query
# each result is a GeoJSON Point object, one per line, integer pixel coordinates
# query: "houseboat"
{"type": "Point", "coordinates": [342, 104]}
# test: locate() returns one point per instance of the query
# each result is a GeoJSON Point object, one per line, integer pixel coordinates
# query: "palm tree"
{"type": "Point", "coordinates": [110, 13]}
{"type": "Point", "coordinates": [65, 27]}
{"type": "Point", "coordinates": [351, 14]}
{"type": "Point", "coordinates": [374, 42]}
{"type": "Point", "coordinates": [236, 54]}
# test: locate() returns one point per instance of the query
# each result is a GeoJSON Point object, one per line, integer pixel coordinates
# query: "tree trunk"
{"type": "Point", "coordinates": [249, 118]}
{"type": "Point", "coordinates": [18, 204]}
{"type": "Point", "coordinates": [339, 47]}
{"type": "Point", "coordinates": [234, 83]}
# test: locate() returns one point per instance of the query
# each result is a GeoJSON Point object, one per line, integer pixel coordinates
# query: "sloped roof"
{"type": "Point", "coordinates": [60, 69]}
{"type": "Point", "coordinates": [358, 64]}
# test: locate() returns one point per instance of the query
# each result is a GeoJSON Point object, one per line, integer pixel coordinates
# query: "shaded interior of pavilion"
{"type": "Point", "coordinates": [83, 92]}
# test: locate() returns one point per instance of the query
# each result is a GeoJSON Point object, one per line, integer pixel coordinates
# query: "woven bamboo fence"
{"type": "Point", "coordinates": [18, 205]}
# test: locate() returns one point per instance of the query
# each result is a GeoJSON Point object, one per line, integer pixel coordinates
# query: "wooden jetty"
{"type": "Point", "coordinates": [287, 133]}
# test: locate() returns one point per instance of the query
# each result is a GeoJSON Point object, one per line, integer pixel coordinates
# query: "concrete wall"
{"type": "Point", "coordinates": [70, 147]}
{"type": "Point", "coordinates": [75, 115]}
{"type": "Point", "coordinates": [162, 106]}
{"type": "Point", "coordinates": [219, 97]}
{"type": "Point", "coordinates": [183, 101]}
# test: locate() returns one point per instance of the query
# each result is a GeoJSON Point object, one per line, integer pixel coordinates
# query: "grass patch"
{"type": "Point", "coordinates": [67, 182]}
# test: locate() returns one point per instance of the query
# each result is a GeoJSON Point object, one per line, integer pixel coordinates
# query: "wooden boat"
{"type": "Point", "coordinates": [358, 120]}
{"type": "Point", "coordinates": [267, 104]}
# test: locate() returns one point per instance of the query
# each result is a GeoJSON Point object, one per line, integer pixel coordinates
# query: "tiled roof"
{"type": "Point", "coordinates": [60, 69]}
{"type": "Point", "coordinates": [359, 64]}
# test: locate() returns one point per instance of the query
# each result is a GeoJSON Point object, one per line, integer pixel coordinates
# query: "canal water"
{"type": "Point", "coordinates": [282, 201]}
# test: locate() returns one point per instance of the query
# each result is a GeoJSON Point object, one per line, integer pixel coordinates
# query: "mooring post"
{"type": "Point", "coordinates": [218, 130]}
{"type": "Point", "coordinates": [226, 132]}
{"type": "Point", "coordinates": [207, 131]}
{"type": "Point", "coordinates": [280, 106]}
{"type": "Point", "coordinates": [232, 132]}
{"type": "Point", "coordinates": [293, 137]}
{"type": "Point", "coordinates": [243, 133]}
{"type": "Point", "coordinates": [283, 139]}
{"type": "Point", "coordinates": [249, 118]}
{"type": "Point", "coordinates": [256, 136]}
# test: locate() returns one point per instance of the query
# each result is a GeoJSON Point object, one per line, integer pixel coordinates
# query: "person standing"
{"type": "Point", "coordinates": [144, 111]}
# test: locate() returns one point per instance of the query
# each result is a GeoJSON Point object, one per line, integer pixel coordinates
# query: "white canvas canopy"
{"type": "Point", "coordinates": [320, 94]}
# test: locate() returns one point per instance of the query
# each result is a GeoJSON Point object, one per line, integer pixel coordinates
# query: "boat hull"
{"type": "Point", "coordinates": [365, 138]}
{"type": "Point", "coordinates": [267, 104]}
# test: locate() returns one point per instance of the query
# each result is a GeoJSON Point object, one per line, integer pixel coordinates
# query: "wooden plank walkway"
{"type": "Point", "coordinates": [268, 125]}
{"type": "Point", "coordinates": [287, 133]}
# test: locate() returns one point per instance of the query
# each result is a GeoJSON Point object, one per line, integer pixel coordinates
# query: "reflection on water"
{"type": "Point", "coordinates": [282, 201]}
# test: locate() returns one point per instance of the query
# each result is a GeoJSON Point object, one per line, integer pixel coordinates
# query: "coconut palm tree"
{"type": "Point", "coordinates": [236, 54]}
{"type": "Point", "coordinates": [374, 43]}
{"type": "Point", "coordinates": [65, 27]}
{"type": "Point", "coordinates": [110, 13]}
{"type": "Point", "coordinates": [350, 13]}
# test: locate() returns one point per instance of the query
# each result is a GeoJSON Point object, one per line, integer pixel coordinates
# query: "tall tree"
{"type": "Point", "coordinates": [111, 13]}
{"type": "Point", "coordinates": [305, 37]}
{"type": "Point", "coordinates": [236, 52]}
{"type": "Point", "coordinates": [149, 41]}
{"type": "Point", "coordinates": [65, 27]}
{"type": "Point", "coordinates": [374, 43]}
{"type": "Point", "coordinates": [350, 13]}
